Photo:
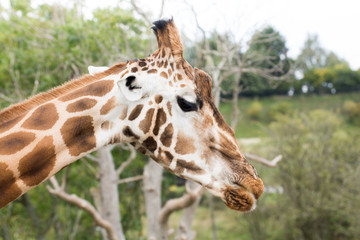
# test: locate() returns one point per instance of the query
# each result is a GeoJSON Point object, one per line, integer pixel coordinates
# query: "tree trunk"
{"type": "Point", "coordinates": [216, 88]}
{"type": "Point", "coordinates": [184, 230]}
{"type": "Point", "coordinates": [236, 92]}
{"type": "Point", "coordinates": [212, 216]}
{"type": "Point", "coordinates": [109, 191]}
{"type": "Point", "coordinates": [152, 194]}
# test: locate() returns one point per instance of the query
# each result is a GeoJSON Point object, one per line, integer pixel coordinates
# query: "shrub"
{"type": "Point", "coordinates": [319, 174]}
{"type": "Point", "coordinates": [280, 108]}
{"type": "Point", "coordinates": [254, 110]}
{"type": "Point", "coordinates": [351, 111]}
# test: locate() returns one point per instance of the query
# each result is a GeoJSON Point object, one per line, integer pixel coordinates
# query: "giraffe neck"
{"type": "Point", "coordinates": [38, 143]}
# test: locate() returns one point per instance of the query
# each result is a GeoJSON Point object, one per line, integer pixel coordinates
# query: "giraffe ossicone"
{"type": "Point", "coordinates": [161, 105]}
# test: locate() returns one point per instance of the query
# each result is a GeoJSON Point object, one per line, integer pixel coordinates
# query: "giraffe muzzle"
{"type": "Point", "coordinates": [243, 197]}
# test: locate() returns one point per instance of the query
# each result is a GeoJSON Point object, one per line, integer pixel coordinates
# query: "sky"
{"type": "Point", "coordinates": [335, 22]}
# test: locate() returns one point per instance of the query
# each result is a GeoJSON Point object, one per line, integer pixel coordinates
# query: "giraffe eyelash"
{"type": "Point", "coordinates": [185, 105]}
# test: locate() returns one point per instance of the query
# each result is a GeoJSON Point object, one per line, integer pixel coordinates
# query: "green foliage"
{"type": "Point", "coordinates": [326, 80]}
{"type": "Point", "coordinates": [351, 110]}
{"type": "Point", "coordinates": [279, 108]}
{"type": "Point", "coordinates": [254, 110]}
{"type": "Point", "coordinates": [313, 55]}
{"type": "Point", "coordinates": [319, 175]}
{"type": "Point", "coordinates": [268, 49]}
{"type": "Point", "coordinates": [267, 53]}
{"type": "Point", "coordinates": [54, 44]}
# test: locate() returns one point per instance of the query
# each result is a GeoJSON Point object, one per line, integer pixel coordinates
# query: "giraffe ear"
{"type": "Point", "coordinates": [130, 88]}
{"type": "Point", "coordinates": [93, 70]}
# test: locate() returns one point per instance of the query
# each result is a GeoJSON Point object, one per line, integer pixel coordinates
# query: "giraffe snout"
{"type": "Point", "coordinates": [243, 197]}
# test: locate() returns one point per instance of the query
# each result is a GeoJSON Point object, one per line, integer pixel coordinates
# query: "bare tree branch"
{"type": "Point", "coordinates": [15, 77]}
{"type": "Point", "coordinates": [139, 11]}
{"type": "Point", "coordinates": [128, 161]}
{"type": "Point", "coordinates": [36, 82]}
{"type": "Point", "coordinates": [264, 161]}
{"type": "Point", "coordinates": [173, 205]}
{"type": "Point", "coordinates": [91, 168]}
{"type": "Point", "coordinates": [161, 9]}
{"type": "Point", "coordinates": [8, 99]}
{"type": "Point", "coordinates": [130, 179]}
{"type": "Point", "coordinates": [81, 203]}
{"type": "Point", "coordinates": [91, 157]}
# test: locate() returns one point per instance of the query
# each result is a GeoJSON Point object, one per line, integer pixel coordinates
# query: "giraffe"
{"type": "Point", "coordinates": [160, 105]}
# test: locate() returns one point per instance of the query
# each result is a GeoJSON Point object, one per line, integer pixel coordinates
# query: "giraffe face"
{"type": "Point", "coordinates": [172, 118]}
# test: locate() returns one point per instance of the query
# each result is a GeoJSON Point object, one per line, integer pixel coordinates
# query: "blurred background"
{"type": "Point", "coordinates": [286, 77]}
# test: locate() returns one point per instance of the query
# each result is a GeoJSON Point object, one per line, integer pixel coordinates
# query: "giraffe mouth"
{"type": "Point", "coordinates": [243, 197]}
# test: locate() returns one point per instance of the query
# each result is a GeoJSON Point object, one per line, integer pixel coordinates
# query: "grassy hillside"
{"type": "Point", "coordinates": [249, 128]}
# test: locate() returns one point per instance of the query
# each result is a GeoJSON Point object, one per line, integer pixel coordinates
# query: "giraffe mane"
{"type": "Point", "coordinates": [19, 109]}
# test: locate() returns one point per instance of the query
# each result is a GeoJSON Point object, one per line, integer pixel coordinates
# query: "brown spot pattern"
{"type": "Point", "coordinates": [8, 188]}
{"type": "Point", "coordinates": [98, 89]}
{"type": "Point", "coordinates": [43, 118]}
{"type": "Point", "coordinates": [145, 124]}
{"type": "Point", "coordinates": [9, 124]}
{"type": "Point", "coordinates": [169, 72]}
{"type": "Point", "coordinates": [190, 167]}
{"type": "Point", "coordinates": [164, 75]}
{"type": "Point", "coordinates": [36, 165]}
{"type": "Point", "coordinates": [159, 64]}
{"type": "Point", "coordinates": [141, 150]}
{"type": "Point", "coordinates": [129, 133]}
{"type": "Point", "coordinates": [123, 113]}
{"type": "Point", "coordinates": [15, 142]}
{"type": "Point", "coordinates": [109, 105]}
{"type": "Point", "coordinates": [115, 139]}
{"type": "Point", "coordinates": [126, 72]}
{"type": "Point", "coordinates": [179, 76]}
{"type": "Point", "coordinates": [134, 69]}
{"type": "Point", "coordinates": [158, 99]}
{"type": "Point", "coordinates": [106, 125]}
{"type": "Point", "coordinates": [167, 135]}
{"type": "Point", "coordinates": [152, 71]}
{"type": "Point", "coordinates": [81, 105]}
{"type": "Point", "coordinates": [169, 108]}
{"type": "Point", "coordinates": [150, 144]}
{"type": "Point", "coordinates": [142, 64]}
{"type": "Point", "coordinates": [184, 144]}
{"type": "Point", "coordinates": [135, 112]}
{"type": "Point", "coordinates": [160, 120]}
{"type": "Point", "coordinates": [78, 134]}
{"type": "Point", "coordinates": [165, 156]}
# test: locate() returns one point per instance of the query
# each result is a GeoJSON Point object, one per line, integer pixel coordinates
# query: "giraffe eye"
{"type": "Point", "coordinates": [185, 105]}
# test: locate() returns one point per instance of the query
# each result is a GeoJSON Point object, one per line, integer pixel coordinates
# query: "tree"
{"type": "Point", "coordinates": [318, 177]}
{"type": "Point", "coordinates": [312, 55]}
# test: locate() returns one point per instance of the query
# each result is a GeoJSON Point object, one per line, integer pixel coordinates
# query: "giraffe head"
{"type": "Point", "coordinates": [171, 116]}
